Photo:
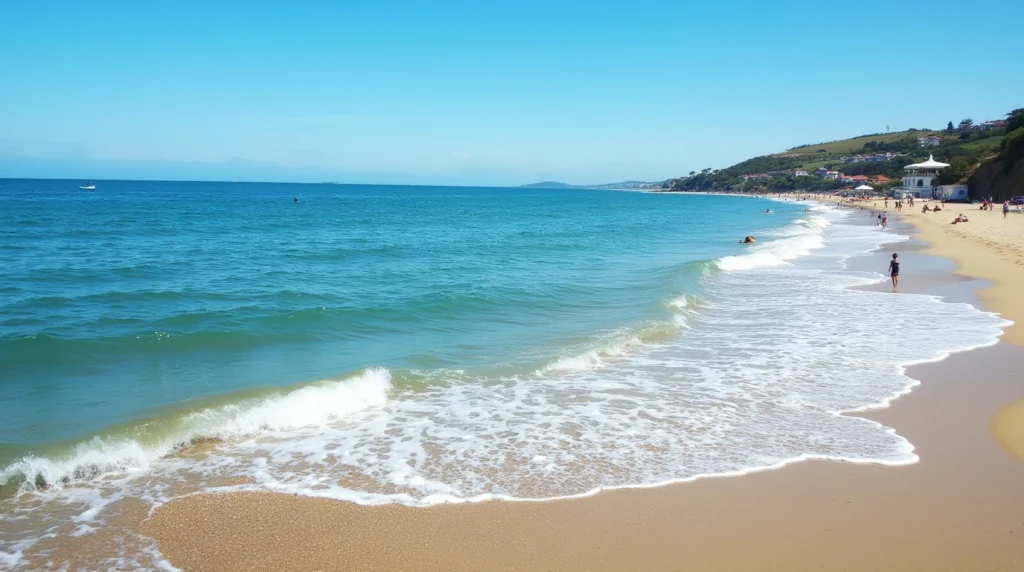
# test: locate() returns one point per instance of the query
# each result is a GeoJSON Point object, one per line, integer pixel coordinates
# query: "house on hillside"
{"type": "Point", "coordinates": [879, 157]}
{"type": "Point", "coordinates": [986, 125]}
{"type": "Point", "coordinates": [844, 178]}
{"type": "Point", "coordinates": [859, 179]}
{"type": "Point", "coordinates": [823, 173]}
{"type": "Point", "coordinates": [881, 180]}
{"type": "Point", "coordinates": [801, 174]}
{"type": "Point", "coordinates": [928, 141]}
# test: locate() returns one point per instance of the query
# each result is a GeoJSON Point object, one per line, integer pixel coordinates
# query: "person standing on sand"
{"type": "Point", "coordinates": [894, 271]}
{"type": "Point", "coordinates": [1006, 208]}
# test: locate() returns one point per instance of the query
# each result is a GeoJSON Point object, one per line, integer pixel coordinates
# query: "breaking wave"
{"type": "Point", "coordinates": [141, 444]}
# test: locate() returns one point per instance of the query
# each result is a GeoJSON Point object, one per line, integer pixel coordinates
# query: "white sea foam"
{"type": "Point", "coordinates": [11, 559]}
{"type": "Point", "coordinates": [780, 348]}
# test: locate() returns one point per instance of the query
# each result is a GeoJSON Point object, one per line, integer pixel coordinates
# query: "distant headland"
{"type": "Point", "coordinates": [623, 186]}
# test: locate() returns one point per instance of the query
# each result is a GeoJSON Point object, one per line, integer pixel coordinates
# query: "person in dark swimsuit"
{"type": "Point", "coordinates": [894, 271]}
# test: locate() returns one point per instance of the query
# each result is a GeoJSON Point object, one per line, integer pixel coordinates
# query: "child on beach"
{"type": "Point", "coordinates": [894, 271]}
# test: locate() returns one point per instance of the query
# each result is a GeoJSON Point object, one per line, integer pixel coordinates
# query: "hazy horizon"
{"type": "Point", "coordinates": [496, 94]}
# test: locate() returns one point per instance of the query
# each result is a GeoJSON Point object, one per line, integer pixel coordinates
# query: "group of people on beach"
{"type": "Point", "coordinates": [898, 205]}
{"type": "Point", "coordinates": [883, 220]}
{"type": "Point", "coordinates": [989, 205]}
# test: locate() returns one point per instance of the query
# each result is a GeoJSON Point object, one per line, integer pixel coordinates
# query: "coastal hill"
{"type": "Point", "coordinates": [877, 159]}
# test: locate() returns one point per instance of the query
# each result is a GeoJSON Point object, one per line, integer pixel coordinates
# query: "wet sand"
{"type": "Point", "coordinates": [960, 508]}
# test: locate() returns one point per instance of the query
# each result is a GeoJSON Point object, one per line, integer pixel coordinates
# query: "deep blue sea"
{"type": "Point", "coordinates": [428, 344]}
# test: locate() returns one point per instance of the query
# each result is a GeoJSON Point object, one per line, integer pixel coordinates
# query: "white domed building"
{"type": "Point", "coordinates": [920, 180]}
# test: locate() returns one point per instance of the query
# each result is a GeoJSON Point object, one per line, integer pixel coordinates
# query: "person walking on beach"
{"type": "Point", "coordinates": [885, 220]}
{"type": "Point", "coordinates": [894, 271]}
{"type": "Point", "coordinates": [1006, 208]}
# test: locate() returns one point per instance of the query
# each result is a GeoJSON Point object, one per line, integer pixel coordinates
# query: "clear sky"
{"type": "Point", "coordinates": [482, 92]}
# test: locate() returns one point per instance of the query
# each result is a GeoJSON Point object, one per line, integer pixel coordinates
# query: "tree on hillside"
{"type": "Point", "coordinates": [966, 124]}
{"type": "Point", "coordinates": [1013, 148]}
{"type": "Point", "coordinates": [959, 168]}
{"type": "Point", "coordinates": [949, 127]}
{"type": "Point", "coordinates": [692, 173]}
{"type": "Point", "coordinates": [1014, 120]}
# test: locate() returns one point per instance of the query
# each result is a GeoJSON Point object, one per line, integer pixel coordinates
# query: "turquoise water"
{"type": "Point", "coordinates": [142, 295]}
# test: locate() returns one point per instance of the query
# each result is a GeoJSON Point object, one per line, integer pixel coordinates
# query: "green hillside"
{"type": "Point", "coordinates": [855, 144]}
{"type": "Point", "coordinates": [869, 155]}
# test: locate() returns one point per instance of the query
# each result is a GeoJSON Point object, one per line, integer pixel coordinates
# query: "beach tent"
{"type": "Point", "coordinates": [864, 188]}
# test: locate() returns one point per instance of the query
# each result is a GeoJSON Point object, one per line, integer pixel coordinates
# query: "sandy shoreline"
{"type": "Point", "coordinates": [959, 508]}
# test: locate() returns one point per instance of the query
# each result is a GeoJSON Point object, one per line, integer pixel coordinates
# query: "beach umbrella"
{"type": "Point", "coordinates": [864, 188]}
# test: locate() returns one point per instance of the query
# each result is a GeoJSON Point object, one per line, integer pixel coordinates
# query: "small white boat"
{"type": "Point", "coordinates": [89, 187]}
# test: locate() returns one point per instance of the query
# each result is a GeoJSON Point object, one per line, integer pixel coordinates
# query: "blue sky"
{"type": "Point", "coordinates": [488, 92]}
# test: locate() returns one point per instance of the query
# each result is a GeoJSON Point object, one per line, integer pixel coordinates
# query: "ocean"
{"type": "Point", "coordinates": [423, 345]}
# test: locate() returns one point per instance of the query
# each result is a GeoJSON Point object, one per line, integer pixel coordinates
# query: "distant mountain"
{"type": "Point", "coordinates": [549, 185]}
{"type": "Point", "coordinates": [629, 185]}
{"type": "Point", "coordinates": [625, 185]}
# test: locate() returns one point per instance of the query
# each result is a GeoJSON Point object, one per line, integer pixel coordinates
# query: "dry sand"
{"type": "Point", "coordinates": [960, 508]}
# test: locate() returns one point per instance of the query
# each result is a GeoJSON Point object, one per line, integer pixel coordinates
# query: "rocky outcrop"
{"type": "Point", "coordinates": [993, 180]}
